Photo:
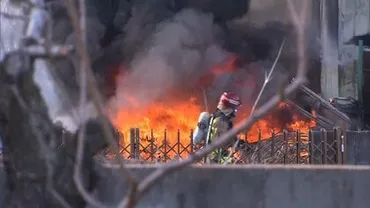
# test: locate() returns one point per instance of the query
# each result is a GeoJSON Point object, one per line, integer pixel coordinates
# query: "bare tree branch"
{"type": "Point", "coordinates": [268, 78]}
{"type": "Point", "coordinates": [83, 102]}
{"type": "Point", "coordinates": [266, 81]}
{"type": "Point", "coordinates": [13, 16]}
{"type": "Point", "coordinates": [90, 83]}
{"type": "Point", "coordinates": [54, 51]}
{"type": "Point", "coordinates": [205, 98]}
{"type": "Point", "coordinates": [98, 101]}
{"type": "Point", "coordinates": [171, 167]}
{"type": "Point", "coordinates": [166, 169]}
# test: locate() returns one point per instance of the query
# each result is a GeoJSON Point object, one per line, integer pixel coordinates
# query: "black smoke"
{"type": "Point", "coordinates": [218, 36]}
{"type": "Point", "coordinates": [162, 46]}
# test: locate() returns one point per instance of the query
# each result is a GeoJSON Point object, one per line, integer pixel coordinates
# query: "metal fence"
{"type": "Point", "coordinates": [357, 148]}
{"type": "Point", "coordinates": [313, 147]}
{"type": "Point", "coordinates": [327, 147]}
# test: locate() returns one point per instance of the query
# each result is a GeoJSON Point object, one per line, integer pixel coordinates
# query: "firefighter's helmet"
{"type": "Point", "coordinates": [229, 100]}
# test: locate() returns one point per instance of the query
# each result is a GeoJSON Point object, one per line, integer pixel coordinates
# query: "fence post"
{"type": "Point", "coordinates": [191, 141]}
{"type": "Point", "coordinates": [152, 152]}
{"type": "Point", "coordinates": [272, 143]}
{"type": "Point", "coordinates": [132, 143]}
{"type": "Point", "coordinates": [137, 143]}
{"type": "Point", "coordinates": [343, 146]}
{"type": "Point", "coordinates": [165, 145]}
{"type": "Point", "coordinates": [178, 143]}
{"type": "Point", "coordinates": [323, 146]}
{"type": "Point", "coordinates": [298, 146]}
{"type": "Point", "coordinates": [360, 76]}
{"type": "Point", "coordinates": [121, 143]}
{"type": "Point", "coordinates": [310, 146]}
{"type": "Point", "coordinates": [285, 138]}
{"type": "Point", "coordinates": [338, 145]}
{"type": "Point", "coordinates": [259, 146]}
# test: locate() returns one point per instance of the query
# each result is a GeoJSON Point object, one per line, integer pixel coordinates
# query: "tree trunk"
{"type": "Point", "coordinates": [39, 168]}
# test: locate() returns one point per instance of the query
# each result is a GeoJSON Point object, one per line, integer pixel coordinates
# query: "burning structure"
{"type": "Point", "coordinates": [160, 63]}
{"type": "Point", "coordinates": [167, 57]}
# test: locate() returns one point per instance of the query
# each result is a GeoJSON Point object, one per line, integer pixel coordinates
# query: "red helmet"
{"type": "Point", "coordinates": [230, 100]}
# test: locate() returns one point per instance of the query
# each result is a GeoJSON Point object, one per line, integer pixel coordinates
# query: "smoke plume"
{"type": "Point", "coordinates": [166, 47]}
{"type": "Point", "coordinates": [175, 55]}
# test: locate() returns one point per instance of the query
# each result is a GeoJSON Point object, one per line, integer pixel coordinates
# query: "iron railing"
{"type": "Point", "coordinates": [314, 147]}
{"type": "Point", "coordinates": [318, 146]}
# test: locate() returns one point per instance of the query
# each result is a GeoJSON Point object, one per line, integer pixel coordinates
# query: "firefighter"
{"type": "Point", "coordinates": [222, 121]}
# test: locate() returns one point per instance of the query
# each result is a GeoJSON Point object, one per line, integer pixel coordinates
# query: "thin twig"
{"type": "Point", "coordinates": [224, 139]}
{"type": "Point", "coordinates": [38, 52]}
{"type": "Point", "coordinates": [268, 78]}
{"type": "Point", "coordinates": [97, 99]}
{"type": "Point", "coordinates": [13, 16]}
{"type": "Point", "coordinates": [81, 134]}
{"type": "Point", "coordinates": [205, 99]}
{"type": "Point", "coordinates": [171, 167]}
{"type": "Point", "coordinates": [236, 143]}
{"type": "Point", "coordinates": [266, 81]}
{"type": "Point", "coordinates": [54, 51]}
{"type": "Point", "coordinates": [57, 195]}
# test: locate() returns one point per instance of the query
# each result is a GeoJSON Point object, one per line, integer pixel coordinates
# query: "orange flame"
{"type": "Point", "coordinates": [159, 117]}
{"type": "Point", "coordinates": [182, 116]}
{"type": "Point", "coordinates": [228, 66]}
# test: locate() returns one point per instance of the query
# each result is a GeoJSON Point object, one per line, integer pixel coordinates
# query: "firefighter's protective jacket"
{"type": "Point", "coordinates": [220, 124]}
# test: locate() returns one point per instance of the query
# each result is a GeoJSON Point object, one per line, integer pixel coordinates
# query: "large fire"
{"type": "Point", "coordinates": [158, 117]}
{"type": "Point", "coordinates": [175, 121]}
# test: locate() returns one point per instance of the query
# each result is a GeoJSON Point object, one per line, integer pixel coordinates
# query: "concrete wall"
{"type": "Point", "coordinates": [339, 21]}
{"type": "Point", "coordinates": [354, 19]}
{"type": "Point", "coordinates": [256, 186]}
{"type": "Point", "coordinates": [357, 147]}
{"type": "Point", "coordinates": [329, 47]}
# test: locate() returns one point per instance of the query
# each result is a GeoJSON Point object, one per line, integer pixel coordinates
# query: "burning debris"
{"type": "Point", "coordinates": [163, 76]}
{"type": "Point", "coordinates": [161, 63]}
{"type": "Point", "coordinates": [183, 117]}
{"type": "Point", "coordinates": [159, 84]}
